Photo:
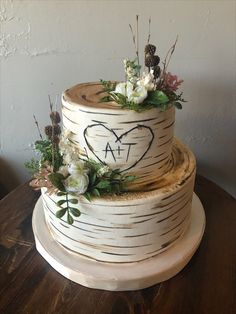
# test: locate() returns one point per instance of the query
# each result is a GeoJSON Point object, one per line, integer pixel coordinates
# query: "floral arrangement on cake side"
{"type": "Point", "coordinates": [154, 88]}
{"type": "Point", "coordinates": [62, 170]}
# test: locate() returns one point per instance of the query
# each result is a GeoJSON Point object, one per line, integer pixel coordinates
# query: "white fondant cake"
{"type": "Point", "coordinates": [137, 224]}
{"type": "Point", "coordinates": [140, 143]}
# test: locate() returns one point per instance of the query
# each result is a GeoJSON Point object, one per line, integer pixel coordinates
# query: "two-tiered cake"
{"type": "Point", "coordinates": [155, 211]}
{"type": "Point", "coordinates": [117, 210]}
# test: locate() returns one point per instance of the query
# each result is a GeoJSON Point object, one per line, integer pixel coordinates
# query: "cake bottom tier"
{"type": "Point", "coordinates": [133, 226]}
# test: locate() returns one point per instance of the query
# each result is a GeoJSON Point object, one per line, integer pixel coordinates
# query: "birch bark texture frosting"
{"type": "Point", "coordinates": [133, 226]}
{"type": "Point", "coordinates": [140, 144]}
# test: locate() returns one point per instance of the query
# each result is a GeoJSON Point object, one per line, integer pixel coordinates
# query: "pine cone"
{"type": "Point", "coordinates": [149, 61]}
{"type": "Point", "coordinates": [48, 130]}
{"type": "Point", "coordinates": [156, 60]}
{"type": "Point", "coordinates": [156, 71]}
{"type": "Point", "coordinates": [150, 49]}
{"type": "Point", "coordinates": [56, 129]}
{"type": "Point", "coordinates": [55, 117]}
{"type": "Point", "coordinates": [55, 140]}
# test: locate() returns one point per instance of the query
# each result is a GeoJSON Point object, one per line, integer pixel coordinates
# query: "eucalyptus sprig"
{"type": "Point", "coordinates": [67, 208]}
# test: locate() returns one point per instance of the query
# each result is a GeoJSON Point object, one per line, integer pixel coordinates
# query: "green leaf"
{"type": "Point", "coordinates": [103, 184]}
{"type": "Point", "coordinates": [32, 166]}
{"type": "Point", "coordinates": [95, 192]}
{"type": "Point", "coordinates": [70, 219]}
{"type": "Point", "coordinates": [75, 211]}
{"type": "Point", "coordinates": [60, 213]}
{"type": "Point", "coordinates": [93, 178]}
{"type": "Point", "coordinates": [130, 178]}
{"type": "Point", "coordinates": [178, 105]}
{"type": "Point", "coordinates": [59, 203]}
{"type": "Point", "coordinates": [156, 98]}
{"type": "Point", "coordinates": [73, 201]}
{"type": "Point", "coordinates": [56, 179]}
{"type": "Point", "coordinates": [105, 99]}
{"type": "Point", "coordinates": [108, 86]}
{"type": "Point", "coordinates": [61, 193]}
{"type": "Point", "coordinates": [87, 196]}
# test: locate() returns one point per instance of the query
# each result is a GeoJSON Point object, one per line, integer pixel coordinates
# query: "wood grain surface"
{"type": "Point", "coordinates": [206, 285]}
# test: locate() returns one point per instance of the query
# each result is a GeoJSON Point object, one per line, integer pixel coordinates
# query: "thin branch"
{"type": "Point", "coordinates": [133, 36]}
{"type": "Point", "coordinates": [50, 103]}
{"type": "Point", "coordinates": [149, 30]}
{"type": "Point", "coordinates": [169, 54]}
{"type": "Point", "coordinates": [53, 145]}
{"type": "Point", "coordinates": [37, 125]}
{"type": "Point", "coordinates": [137, 42]}
{"type": "Point", "coordinates": [168, 58]}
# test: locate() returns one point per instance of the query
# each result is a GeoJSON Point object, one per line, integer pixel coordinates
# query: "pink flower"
{"type": "Point", "coordinates": [171, 82]}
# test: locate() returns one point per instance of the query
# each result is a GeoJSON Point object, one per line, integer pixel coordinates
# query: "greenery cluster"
{"type": "Point", "coordinates": [111, 182]}
{"type": "Point", "coordinates": [155, 99]}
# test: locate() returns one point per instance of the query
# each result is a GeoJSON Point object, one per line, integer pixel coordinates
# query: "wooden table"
{"type": "Point", "coordinates": [28, 284]}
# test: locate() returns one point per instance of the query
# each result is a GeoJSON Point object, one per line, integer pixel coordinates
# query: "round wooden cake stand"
{"type": "Point", "coordinates": [123, 276]}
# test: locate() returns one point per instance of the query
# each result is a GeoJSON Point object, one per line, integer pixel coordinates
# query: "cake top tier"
{"type": "Point", "coordinates": [138, 143]}
{"type": "Point", "coordinates": [88, 95]}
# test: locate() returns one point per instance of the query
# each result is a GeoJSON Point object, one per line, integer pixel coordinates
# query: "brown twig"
{"type": "Point", "coordinates": [52, 138]}
{"type": "Point", "coordinates": [168, 58]}
{"type": "Point", "coordinates": [50, 103]}
{"type": "Point", "coordinates": [149, 30]}
{"type": "Point", "coordinates": [37, 125]}
{"type": "Point", "coordinates": [135, 40]}
{"type": "Point", "coordinates": [169, 54]}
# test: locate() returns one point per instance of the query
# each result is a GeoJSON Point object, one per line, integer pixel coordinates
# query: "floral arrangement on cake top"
{"type": "Point", "coordinates": [154, 88]}
{"type": "Point", "coordinates": [62, 170]}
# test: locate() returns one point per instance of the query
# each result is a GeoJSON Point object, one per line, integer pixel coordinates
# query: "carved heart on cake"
{"type": "Point", "coordinates": [124, 151]}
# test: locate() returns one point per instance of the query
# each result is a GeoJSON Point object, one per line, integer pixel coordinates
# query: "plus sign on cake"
{"type": "Point", "coordinates": [116, 185]}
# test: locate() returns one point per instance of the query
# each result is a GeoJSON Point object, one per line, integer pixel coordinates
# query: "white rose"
{"type": "Point", "coordinates": [78, 167]}
{"type": "Point", "coordinates": [138, 95]}
{"type": "Point", "coordinates": [121, 88]}
{"type": "Point", "coordinates": [77, 183]}
{"type": "Point", "coordinates": [63, 170]}
{"type": "Point", "coordinates": [147, 81]}
{"type": "Point", "coordinates": [124, 88]}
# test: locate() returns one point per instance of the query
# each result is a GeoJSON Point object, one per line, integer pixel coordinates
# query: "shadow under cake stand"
{"type": "Point", "coordinates": [119, 276]}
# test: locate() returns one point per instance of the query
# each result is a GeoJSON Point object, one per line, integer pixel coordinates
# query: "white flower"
{"type": "Point", "coordinates": [121, 88]}
{"type": "Point", "coordinates": [77, 167]}
{"type": "Point", "coordinates": [124, 88]}
{"type": "Point", "coordinates": [138, 95]}
{"type": "Point", "coordinates": [132, 70]}
{"type": "Point", "coordinates": [64, 171]}
{"type": "Point", "coordinates": [147, 81]}
{"type": "Point", "coordinates": [77, 183]}
{"type": "Point", "coordinates": [103, 170]}
{"type": "Point", "coordinates": [68, 150]}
